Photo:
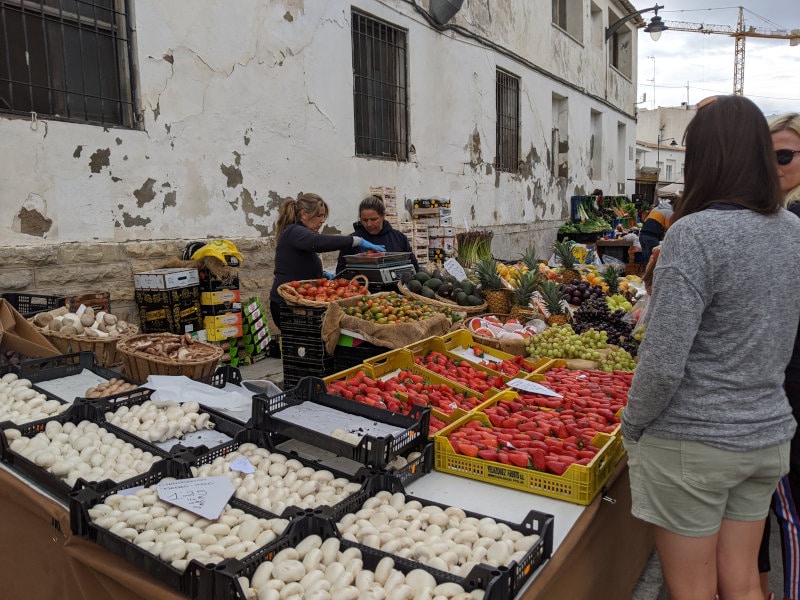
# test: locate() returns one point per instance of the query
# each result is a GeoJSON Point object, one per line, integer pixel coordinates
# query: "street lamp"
{"type": "Point", "coordinates": [654, 28]}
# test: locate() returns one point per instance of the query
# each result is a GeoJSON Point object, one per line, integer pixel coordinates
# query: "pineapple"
{"type": "Point", "coordinates": [521, 296]}
{"type": "Point", "coordinates": [611, 279]}
{"type": "Point", "coordinates": [530, 259]}
{"type": "Point", "coordinates": [551, 294]}
{"type": "Point", "coordinates": [496, 294]}
{"type": "Point", "coordinates": [563, 251]}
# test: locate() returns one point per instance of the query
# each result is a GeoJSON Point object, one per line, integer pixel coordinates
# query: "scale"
{"type": "Point", "coordinates": [383, 270]}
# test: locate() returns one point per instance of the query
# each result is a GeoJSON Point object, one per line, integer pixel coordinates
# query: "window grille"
{"type": "Point", "coordinates": [68, 60]}
{"type": "Point", "coordinates": [507, 122]}
{"type": "Point", "coordinates": [380, 96]}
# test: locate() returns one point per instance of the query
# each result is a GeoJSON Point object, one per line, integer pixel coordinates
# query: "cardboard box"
{"type": "Point", "coordinates": [96, 300]}
{"type": "Point", "coordinates": [224, 332]}
{"type": "Point", "coordinates": [211, 283]}
{"type": "Point", "coordinates": [166, 279]}
{"type": "Point", "coordinates": [19, 335]}
{"type": "Point", "coordinates": [428, 203]}
{"type": "Point", "coordinates": [231, 318]}
{"type": "Point", "coordinates": [223, 296]}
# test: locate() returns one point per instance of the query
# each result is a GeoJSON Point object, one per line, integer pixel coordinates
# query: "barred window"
{"type": "Point", "coordinates": [380, 96]}
{"type": "Point", "coordinates": [67, 60]}
{"type": "Point", "coordinates": [507, 92]}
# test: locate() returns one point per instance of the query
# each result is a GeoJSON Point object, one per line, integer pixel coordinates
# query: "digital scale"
{"type": "Point", "coordinates": [383, 270]}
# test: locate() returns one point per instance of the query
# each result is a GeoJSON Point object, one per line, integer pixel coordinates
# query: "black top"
{"type": "Point", "coordinates": [793, 368]}
{"type": "Point", "coordinates": [388, 236]}
{"type": "Point", "coordinates": [296, 255]}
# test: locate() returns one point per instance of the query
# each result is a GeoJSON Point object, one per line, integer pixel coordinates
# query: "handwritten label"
{"type": "Point", "coordinates": [456, 270]}
{"type": "Point", "coordinates": [204, 496]}
{"type": "Point", "coordinates": [242, 465]}
{"type": "Point", "coordinates": [533, 388]}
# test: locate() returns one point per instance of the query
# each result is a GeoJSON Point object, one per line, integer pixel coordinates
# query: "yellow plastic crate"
{"type": "Point", "coordinates": [579, 484]}
{"type": "Point", "coordinates": [348, 373]}
{"type": "Point", "coordinates": [461, 338]}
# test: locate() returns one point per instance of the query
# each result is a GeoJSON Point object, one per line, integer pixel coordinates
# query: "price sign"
{"type": "Point", "coordinates": [533, 388]}
{"type": "Point", "coordinates": [456, 270]}
{"type": "Point", "coordinates": [204, 496]}
{"type": "Point", "coordinates": [242, 465]}
{"type": "Point", "coordinates": [131, 491]}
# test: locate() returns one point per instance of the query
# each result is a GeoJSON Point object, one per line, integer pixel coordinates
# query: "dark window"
{"type": "Point", "coordinates": [507, 122]}
{"type": "Point", "coordinates": [560, 13]}
{"type": "Point", "coordinates": [67, 59]}
{"type": "Point", "coordinates": [380, 98]}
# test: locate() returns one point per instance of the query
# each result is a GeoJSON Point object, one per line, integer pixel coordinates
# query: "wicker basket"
{"type": "Point", "coordinates": [441, 302]}
{"type": "Point", "coordinates": [139, 365]}
{"type": "Point", "coordinates": [288, 293]}
{"type": "Point", "coordinates": [105, 349]}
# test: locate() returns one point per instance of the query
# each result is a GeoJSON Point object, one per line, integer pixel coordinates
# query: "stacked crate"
{"type": "Point", "coordinates": [221, 305]}
{"type": "Point", "coordinates": [168, 300]}
{"type": "Point", "coordinates": [389, 197]}
{"type": "Point", "coordinates": [255, 332]}
{"type": "Point", "coordinates": [435, 215]}
{"type": "Point", "coordinates": [302, 349]}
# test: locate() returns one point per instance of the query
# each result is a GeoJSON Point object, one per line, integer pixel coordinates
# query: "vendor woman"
{"type": "Point", "coordinates": [373, 226]}
{"type": "Point", "coordinates": [299, 241]}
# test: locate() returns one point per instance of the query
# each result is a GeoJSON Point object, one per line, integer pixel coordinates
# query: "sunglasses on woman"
{"type": "Point", "coordinates": [784, 157]}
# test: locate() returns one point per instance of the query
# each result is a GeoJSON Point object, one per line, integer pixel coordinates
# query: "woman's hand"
{"type": "Point", "coordinates": [370, 246]}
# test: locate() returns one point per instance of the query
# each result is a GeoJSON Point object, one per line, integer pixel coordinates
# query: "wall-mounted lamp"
{"type": "Point", "coordinates": [654, 28]}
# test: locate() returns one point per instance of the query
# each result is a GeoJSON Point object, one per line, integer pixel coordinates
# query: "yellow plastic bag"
{"type": "Point", "coordinates": [224, 250]}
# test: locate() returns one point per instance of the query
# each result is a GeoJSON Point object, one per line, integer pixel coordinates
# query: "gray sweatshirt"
{"type": "Point", "coordinates": [722, 322]}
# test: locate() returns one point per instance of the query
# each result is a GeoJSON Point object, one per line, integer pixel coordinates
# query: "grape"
{"type": "Point", "coordinates": [618, 359]}
{"type": "Point", "coordinates": [595, 314]}
{"type": "Point", "coordinates": [562, 342]}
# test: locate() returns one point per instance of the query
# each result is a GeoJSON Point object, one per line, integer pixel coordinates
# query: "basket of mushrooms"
{"type": "Point", "coordinates": [168, 354]}
{"type": "Point", "coordinates": [92, 331]}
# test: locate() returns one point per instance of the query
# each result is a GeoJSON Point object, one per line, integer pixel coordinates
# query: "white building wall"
{"type": "Point", "coordinates": [247, 103]}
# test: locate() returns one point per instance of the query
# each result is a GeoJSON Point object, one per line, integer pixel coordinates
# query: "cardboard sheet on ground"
{"type": "Point", "coordinates": [326, 420]}
{"type": "Point", "coordinates": [180, 389]}
{"type": "Point", "coordinates": [72, 386]}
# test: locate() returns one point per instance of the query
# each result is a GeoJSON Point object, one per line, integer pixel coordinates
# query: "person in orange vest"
{"type": "Point", "coordinates": [655, 227]}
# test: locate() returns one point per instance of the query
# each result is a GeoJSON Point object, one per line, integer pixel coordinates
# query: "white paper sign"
{"type": "Point", "coordinates": [533, 388]}
{"type": "Point", "coordinates": [204, 496]}
{"type": "Point", "coordinates": [243, 465]}
{"type": "Point", "coordinates": [456, 270]}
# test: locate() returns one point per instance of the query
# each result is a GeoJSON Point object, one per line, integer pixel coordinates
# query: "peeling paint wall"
{"type": "Point", "coordinates": [248, 103]}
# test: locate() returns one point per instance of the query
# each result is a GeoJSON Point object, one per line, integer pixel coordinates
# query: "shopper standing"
{"type": "Point", "coordinates": [655, 227]}
{"type": "Point", "coordinates": [299, 241]}
{"type": "Point", "coordinates": [707, 425]}
{"type": "Point", "coordinates": [786, 140]}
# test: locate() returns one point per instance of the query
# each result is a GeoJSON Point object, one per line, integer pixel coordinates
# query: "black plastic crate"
{"type": "Point", "coordinates": [303, 348]}
{"type": "Point", "coordinates": [15, 369]}
{"type": "Point", "coordinates": [494, 581]}
{"type": "Point", "coordinates": [55, 485]}
{"type": "Point", "coordinates": [416, 468]}
{"type": "Point", "coordinates": [500, 583]}
{"type": "Point", "coordinates": [38, 370]}
{"type": "Point", "coordinates": [197, 580]}
{"type": "Point", "coordinates": [346, 357]}
{"type": "Point", "coordinates": [200, 456]}
{"type": "Point", "coordinates": [30, 304]}
{"type": "Point", "coordinates": [302, 318]}
{"type": "Point", "coordinates": [296, 370]}
{"type": "Point", "coordinates": [370, 451]}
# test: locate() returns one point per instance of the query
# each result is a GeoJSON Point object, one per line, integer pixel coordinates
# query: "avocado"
{"type": "Point", "coordinates": [428, 292]}
{"type": "Point", "coordinates": [462, 299]}
{"type": "Point", "coordinates": [433, 283]}
{"type": "Point", "coordinates": [406, 277]}
{"type": "Point", "coordinates": [422, 276]}
{"type": "Point", "coordinates": [473, 300]}
{"type": "Point", "coordinates": [414, 286]}
{"type": "Point", "coordinates": [437, 274]}
{"type": "Point", "coordinates": [468, 287]}
{"type": "Point", "coordinates": [445, 290]}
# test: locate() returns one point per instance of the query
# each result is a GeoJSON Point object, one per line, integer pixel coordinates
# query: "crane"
{"type": "Point", "coordinates": [739, 34]}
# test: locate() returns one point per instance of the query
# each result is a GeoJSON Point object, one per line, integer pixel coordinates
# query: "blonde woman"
{"type": "Point", "coordinates": [299, 241]}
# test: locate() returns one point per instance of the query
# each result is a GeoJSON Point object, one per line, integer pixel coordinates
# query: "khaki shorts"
{"type": "Point", "coordinates": [689, 487]}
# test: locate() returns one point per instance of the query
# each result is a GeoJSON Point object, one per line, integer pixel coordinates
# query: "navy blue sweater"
{"type": "Point", "coordinates": [395, 241]}
{"type": "Point", "coordinates": [296, 255]}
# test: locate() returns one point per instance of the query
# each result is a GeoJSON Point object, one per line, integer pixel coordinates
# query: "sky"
{"type": "Point", "coordinates": [706, 62]}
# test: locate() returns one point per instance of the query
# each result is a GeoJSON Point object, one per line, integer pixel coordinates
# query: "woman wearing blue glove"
{"type": "Point", "coordinates": [299, 241]}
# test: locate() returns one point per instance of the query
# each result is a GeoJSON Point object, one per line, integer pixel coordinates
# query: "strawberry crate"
{"type": "Point", "coordinates": [461, 341]}
{"type": "Point", "coordinates": [578, 484]}
{"type": "Point", "coordinates": [271, 414]}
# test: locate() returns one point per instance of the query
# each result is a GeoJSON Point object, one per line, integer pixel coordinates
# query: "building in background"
{"type": "Point", "coordinates": [127, 130]}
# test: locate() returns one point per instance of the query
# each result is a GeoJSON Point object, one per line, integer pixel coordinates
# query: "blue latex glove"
{"type": "Point", "coordinates": [370, 246]}
{"type": "Point", "coordinates": [329, 275]}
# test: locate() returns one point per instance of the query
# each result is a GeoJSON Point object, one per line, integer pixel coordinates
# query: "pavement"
{"type": "Point", "coordinates": [651, 583]}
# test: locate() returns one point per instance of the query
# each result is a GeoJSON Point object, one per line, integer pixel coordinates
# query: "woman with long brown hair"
{"type": "Point", "coordinates": [299, 241]}
{"type": "Point", "coordinates": [707, 425]}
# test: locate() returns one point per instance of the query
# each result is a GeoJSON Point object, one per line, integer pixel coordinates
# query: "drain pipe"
{"type": "Point", "coordinates": [444, 10]}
